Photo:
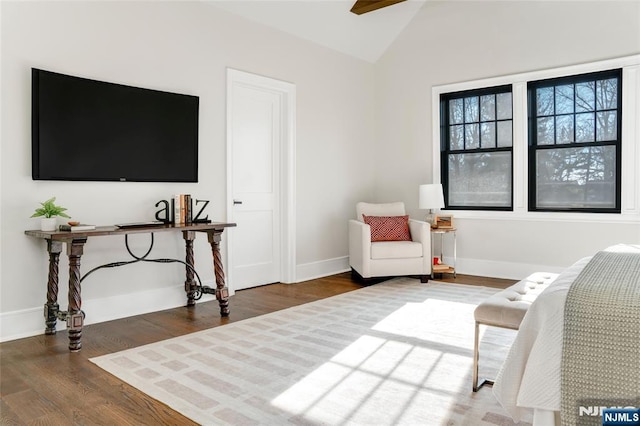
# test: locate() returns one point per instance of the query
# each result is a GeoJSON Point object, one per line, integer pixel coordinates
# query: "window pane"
{"type": "Point", "coordinates": [488, 135]}
{"type": "Point", "coordinates": [607, 126]}
{"type": "Point", "coordinates": [479, 120]}
{"type": "Point", "coordinates": [585, 127]}
{"type": "Point", "coordinates": [575, 139]}
{"type": "Point", "coordinates": [487, 107]}
{"type": "Point", "coordinates": [456, 115]}
{"type": "Point", "coordinates": [456, 137]}
{"type": "Point", "coordinates": [607, 94]}
{"type": "Point", "coordinates": [471, 110]}
{"type": "Point", "coordinates": [544, 101]}
{"type": "Point", "coordinates": [546, 131]}
{"type": "Point", "coordinates": [564, 129]}
{"type": "Point", "coordinates": [564, 99]}
{"type": "Point", "coordinates": [505, 133]}
{"type": "Point", "coordinates": [504, 106]}
{"type": "Point", "coordinates": [480, 179]}
{"type": "Point", "coordinates": [586, 96]}
{"type": "Point", "coordinates": [472, 136]}
{"type": "Point", "coordinates": [576, 177]}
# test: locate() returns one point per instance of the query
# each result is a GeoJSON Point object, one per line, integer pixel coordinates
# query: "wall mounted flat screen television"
{"type": "Point", "coordinates": [87, 130]}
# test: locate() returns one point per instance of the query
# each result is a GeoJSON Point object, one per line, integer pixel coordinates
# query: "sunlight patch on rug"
{"type": "Point", "coordinates": [388, 371]}
{"type": "Point", "coordinates": [398, 352]}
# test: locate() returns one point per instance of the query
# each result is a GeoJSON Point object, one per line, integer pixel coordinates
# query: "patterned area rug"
{"type": "Point", "coordinates": [395, 353]}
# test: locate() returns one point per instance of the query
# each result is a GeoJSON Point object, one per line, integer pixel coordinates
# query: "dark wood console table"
{"type": "Point", "coordinates": [75, 245]}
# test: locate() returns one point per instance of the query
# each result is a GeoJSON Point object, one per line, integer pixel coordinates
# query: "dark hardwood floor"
{"type": "Point", "coordinates": [42, 383]}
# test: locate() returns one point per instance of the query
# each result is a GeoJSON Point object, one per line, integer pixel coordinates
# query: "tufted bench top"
{"type": "Point", "coordinates": [507, 307]}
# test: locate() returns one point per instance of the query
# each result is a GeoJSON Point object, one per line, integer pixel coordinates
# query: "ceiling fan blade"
{"type": "Point", "coordinates": [364, 6]}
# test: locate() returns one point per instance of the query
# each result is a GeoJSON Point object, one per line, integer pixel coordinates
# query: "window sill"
{"type": "Point", "coordinates": [526, 216]}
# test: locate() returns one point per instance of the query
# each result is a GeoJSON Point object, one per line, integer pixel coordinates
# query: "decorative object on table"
{"type": "Point", "coordinates": [431, 198]}
{"type": "Point", "coordinates": [49, 213]}
{"type": "Point", "coordinates": [443, 221]}
{"type": "Point", "coordinates": [181, 210]}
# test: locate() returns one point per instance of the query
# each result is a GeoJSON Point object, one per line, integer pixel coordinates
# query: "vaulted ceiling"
{"type": "Point", "coordinates": [331, 23]}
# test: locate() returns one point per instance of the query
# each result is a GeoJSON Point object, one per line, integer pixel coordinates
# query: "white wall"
{"type": "Point", "coordinates": [180, 47]}
{"type": "Point", "coordinates": [457, 41]}
{"type": "Point", "coordinates": [349, 113]}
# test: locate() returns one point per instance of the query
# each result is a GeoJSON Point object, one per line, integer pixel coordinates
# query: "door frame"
{"type": "Point", "coordinates": [287, 93]}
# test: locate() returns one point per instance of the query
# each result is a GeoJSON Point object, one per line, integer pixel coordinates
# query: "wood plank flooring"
{"type": "Point", "coordinates": [42, 383]}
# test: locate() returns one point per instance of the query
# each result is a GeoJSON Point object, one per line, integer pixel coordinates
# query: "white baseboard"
{"type": "Point", "coordinates": [322, 268]}
{"type": "Point", "coordinates": [24, 323]}
{"type": "Point", "coordinates": [495, 269]}
{"type": "Point", "coordinates": [30, 322]}
{"type": "Point", "coordinates": [479, 267]}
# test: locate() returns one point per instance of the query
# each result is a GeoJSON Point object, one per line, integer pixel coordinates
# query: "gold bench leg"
{"type": "Point", "coordinates": [476, 356]}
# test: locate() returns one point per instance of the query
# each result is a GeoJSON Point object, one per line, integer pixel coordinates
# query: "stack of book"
{"type": "Point", "coordinates": [182, 209]}
{"type": "Point", "coordinates": [78, 227]}
{"type": "Point", "coordinates": [441, 268]}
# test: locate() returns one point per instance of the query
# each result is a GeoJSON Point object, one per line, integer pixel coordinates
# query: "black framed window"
{"type": "Point", "coordinates": [575, 143]}
{"type": "Point", "coordinates": [477, 149]}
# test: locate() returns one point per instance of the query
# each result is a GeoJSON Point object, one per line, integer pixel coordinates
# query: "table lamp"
{"type": "Point", "coordinates": [431, 198]}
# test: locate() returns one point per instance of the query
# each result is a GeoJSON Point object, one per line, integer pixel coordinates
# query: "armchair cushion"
{"type": "Point", "coordinates": [388, 228]}
{"type": "Point", "coordinates": [396, 250]}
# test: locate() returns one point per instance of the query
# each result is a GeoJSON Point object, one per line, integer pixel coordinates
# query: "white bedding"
{"type": "Point", "coordinates": [530, 375]}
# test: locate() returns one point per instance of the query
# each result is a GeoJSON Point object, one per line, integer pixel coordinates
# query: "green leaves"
{"type": "Point", "coordinates": [49, 209]}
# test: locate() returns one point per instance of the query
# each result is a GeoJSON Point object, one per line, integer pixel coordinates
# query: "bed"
{"type": "Point", "coordinates": [530, 377]}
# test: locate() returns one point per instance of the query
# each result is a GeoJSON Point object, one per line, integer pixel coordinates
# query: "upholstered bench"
{"type": "Point", "coordinates": [506, 309]}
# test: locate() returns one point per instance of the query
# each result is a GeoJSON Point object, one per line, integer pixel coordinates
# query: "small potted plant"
{"type": "Point", "coordinates": [49, 212]}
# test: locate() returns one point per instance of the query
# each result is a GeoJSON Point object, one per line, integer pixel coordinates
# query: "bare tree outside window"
{"type": "Point", "coordinates": [575, 143]}
{"type": "Point", "coordinates": [478, 140]}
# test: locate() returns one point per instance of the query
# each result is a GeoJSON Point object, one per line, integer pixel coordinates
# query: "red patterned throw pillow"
{"type": "Point", "coordinates": [388, 228]}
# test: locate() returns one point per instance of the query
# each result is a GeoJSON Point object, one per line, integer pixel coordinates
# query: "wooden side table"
{"type": "Point", "coordinates": [75, 242]}
{"type": "Point", "coordinates": [443, 268]}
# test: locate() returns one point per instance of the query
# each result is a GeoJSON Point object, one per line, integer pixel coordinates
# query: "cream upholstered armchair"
{"type": "Point", "coordinates": [390, 244]}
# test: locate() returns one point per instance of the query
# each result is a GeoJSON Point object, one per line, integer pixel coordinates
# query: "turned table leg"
{"type": "Point", "coordinates": [51, 308]}
{"type": "Point", "coordinates": [75, 315]}
{"type": "Point", "coordinates": [189, 284]}
{"type": "Point", "coordinates": [222, 293]}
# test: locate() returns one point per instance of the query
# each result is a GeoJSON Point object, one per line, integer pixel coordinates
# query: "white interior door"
{"type": "Point", "coordinates": [256, 135]}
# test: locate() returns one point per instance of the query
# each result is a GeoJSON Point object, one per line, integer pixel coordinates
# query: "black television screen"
{"type": "Point", "coordinates": [91, 130]}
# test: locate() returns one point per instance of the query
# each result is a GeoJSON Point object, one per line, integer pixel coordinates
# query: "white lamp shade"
{"type": "Point", "coordinates": [431, 196]}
